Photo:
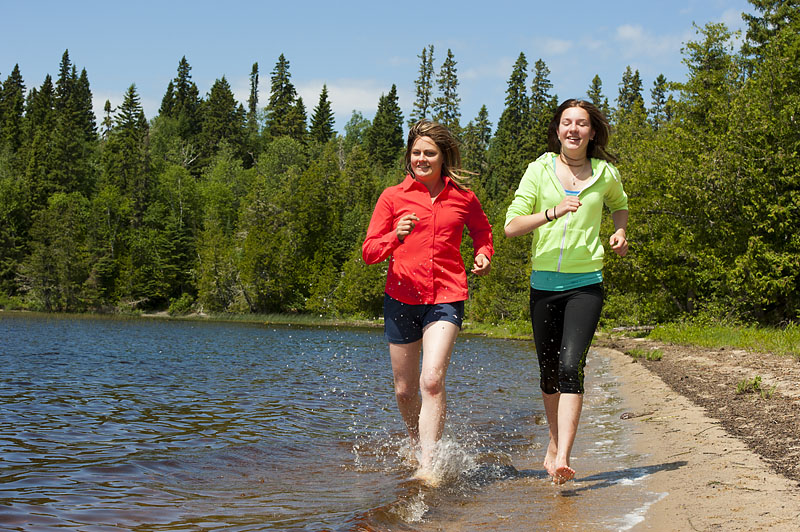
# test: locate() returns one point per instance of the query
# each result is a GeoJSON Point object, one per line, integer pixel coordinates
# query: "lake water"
{"type": "Point", "coordinates": [112, 424]}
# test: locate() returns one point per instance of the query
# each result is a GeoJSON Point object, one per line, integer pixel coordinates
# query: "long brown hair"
{"type": "Point", "coordinates": [602, 131]}
{"type": "Point", "coordinates": [447, 144]}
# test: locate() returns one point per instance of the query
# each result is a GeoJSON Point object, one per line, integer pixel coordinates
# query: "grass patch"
{"type": "Point", "coordinates": [754, 386]}
{"type": "Point", "coordinates": [647, 354]}
{"type": "Point", "coordinates": [784, 341]}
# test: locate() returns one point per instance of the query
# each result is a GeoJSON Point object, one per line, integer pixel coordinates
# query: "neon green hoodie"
{"type": "Point", "coordinates": [570, 244]}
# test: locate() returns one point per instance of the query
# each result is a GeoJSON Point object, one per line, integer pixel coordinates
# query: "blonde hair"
{"type": "Point", "coordinates": [447, 144]}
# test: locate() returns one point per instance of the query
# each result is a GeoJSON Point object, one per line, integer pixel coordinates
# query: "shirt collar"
{"type": "Point", "coordinates": [409, 182]}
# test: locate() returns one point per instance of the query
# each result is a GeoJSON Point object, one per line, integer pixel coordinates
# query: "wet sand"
{"type": "Point", "coordinates": [719, 484]}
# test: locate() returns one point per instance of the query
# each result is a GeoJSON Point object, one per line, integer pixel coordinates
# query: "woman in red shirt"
{"type": "Point", "coordinates": [418, 225]}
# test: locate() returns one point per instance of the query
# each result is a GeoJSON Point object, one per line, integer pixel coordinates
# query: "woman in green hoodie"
{"type": "Point", "coordinates": [560, 200]}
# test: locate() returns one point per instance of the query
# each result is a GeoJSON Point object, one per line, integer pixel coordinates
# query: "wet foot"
{"type": "Point", "coordinates": [563, 474]}
{"type": "Point", "coordinates": [427, 477]}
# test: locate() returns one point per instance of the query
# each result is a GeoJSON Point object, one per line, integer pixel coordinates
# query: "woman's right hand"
{"type": "Point", "coordinates": [405, 226]}
{"type": "Point", "coordinates": [568, 204]}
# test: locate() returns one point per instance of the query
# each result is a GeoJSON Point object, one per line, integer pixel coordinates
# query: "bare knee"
{"type": "Point", "coordinates": [432, 383]}
{"type": "Point", "coordinates": [405, 394]}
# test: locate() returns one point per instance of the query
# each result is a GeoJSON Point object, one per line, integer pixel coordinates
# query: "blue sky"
{"type": "Point", "coordinates": [359, 48]}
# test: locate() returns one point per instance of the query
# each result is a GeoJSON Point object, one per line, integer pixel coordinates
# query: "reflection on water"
{"type": "Point", "coordinates": [136, 424]}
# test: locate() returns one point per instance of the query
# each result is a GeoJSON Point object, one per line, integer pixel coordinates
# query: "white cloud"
{"type": "Point", "coordinates": [636, 42]}
{"type": "Point", "coordinates": [498, 69]}
{"type": "Point", "coordinates": [556, 46]}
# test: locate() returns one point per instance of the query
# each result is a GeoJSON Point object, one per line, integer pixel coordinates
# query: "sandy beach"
{"type": "Point", "coordinates": [710, 479]}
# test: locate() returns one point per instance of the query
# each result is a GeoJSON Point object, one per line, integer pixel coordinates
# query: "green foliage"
{"type": "Point", "coordinates": [201, 205]}
{"type": "Point", "coordinates": [647, 354]}
{"type": "Point", "coordinates": [423, 87]}
{"type": "Point", "coordinates": [384, 138]}
{"type": "Point", "coordinates": [446, 109]}
{"type": "Point", "coordinates": [754, 386]}
{"type": "Point", "coordinates": [181, 306]}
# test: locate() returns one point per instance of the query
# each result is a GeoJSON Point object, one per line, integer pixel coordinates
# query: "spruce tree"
{"type": "Point", "coordinates": [658, 95]}
{"type": "Point", "coordinates": [543, 105]}
{"type": "Point", "coordinates": [630, 92]}
{"type": "Point", "coordinates": [595, 94]}
{"type": "Point", "coordinates": [223, 121]}
{"type": "Point", "coordinates": [384, 138]}
{"type": "Point", "coordinates": [507, 155]}
{"type": "Point", "coordinates": [476, 137]}
{"type": "Point", "coordinates": [252, 102]}
{"type": "Point", "coordinates": [282, 111]}
{"type": "Point", "coordinates": [322, 120]}
{"type": "Point", "coordinates": [446, 106]}
{"type": "Point", "coordinates": [12, 108]}
{"type": "Point", "coordinates": [423, 87]}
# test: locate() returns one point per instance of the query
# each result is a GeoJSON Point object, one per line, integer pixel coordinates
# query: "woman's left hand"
{"type": "Point", "coordinates": [619, 243]}
{"type": "Point", "coordinates": [482, 265]}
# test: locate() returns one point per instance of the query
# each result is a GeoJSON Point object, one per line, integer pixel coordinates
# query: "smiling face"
{"type": "Point", "coordinates": [575, 131]}
{"type": "Point", "coordinates": [426, 160]}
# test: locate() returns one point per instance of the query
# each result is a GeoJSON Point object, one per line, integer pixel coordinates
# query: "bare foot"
{"type": "Point", "coordinates": [427, 477]}
{"type": "Point", "coordinates": [563, 474]}
{"type": "Point", "coordinates": [550, 459]}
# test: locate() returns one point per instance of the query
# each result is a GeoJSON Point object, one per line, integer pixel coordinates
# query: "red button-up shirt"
{"type": "Point", "coordinates": [426, 267]}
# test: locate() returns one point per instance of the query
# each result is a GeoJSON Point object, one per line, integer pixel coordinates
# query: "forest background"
{"type": "Point", "coordinates": [222, 206]}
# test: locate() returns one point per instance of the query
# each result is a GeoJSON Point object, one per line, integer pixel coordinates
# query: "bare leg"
{"type": "Point", "coordinates": [405, 368]}
{"type": "Point", "coordinates": [438, 340]}
{"type": "Point", "coordinates": [551, 401]}
{"type": "Point", "coordinates": [563, 414]}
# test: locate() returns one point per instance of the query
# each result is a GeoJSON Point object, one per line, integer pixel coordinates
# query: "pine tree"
{"type": "Point", "coordinates": [384, 138]}
{"type": "Point", "coordinates": [322, 121]}
{"type": "Point", "coordinates": [446, 106]}
{"type": "Point", "coordinates": [424, 87]}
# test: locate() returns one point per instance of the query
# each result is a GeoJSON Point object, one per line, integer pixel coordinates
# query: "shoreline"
{"type": "Point", "coordinates": [709, 479]}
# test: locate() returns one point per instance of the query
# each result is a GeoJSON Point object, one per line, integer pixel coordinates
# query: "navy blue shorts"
{"type": "Point", "coordinates": [403, 323]}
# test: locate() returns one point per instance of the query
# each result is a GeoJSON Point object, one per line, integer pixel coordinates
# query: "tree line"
{"type": "Point", "coordinates": [220, 206]}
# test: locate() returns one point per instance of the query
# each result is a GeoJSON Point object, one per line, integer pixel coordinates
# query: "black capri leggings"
{"type": "Point", "coordinates": [563, 328]}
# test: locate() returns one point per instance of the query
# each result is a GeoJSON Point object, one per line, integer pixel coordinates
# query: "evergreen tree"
{"type": "Point", "coordinates": [775, 15]}
{"type": "Point", "coordinates": [630, 92]}
{"type": "Point", "coordinates": [384, 138]}
{"type": "Point", "coordinates": [658, 95]}
{"type": "Point", "coordinates": [476, 137]}
{"type": "Point", "coordinates": [168, 101]}
{"type": "Point", "coordinates": [595, 94]}
{"type": "Point", "coordinates": [446, 106]}
{"type": "Point", "coordinates": [322, 121]}
{"type": "Point", "coordinates": [508, 157]}
{"type": "Point", "coordinates": [126, 158]}
{"type": "Point", "coordinates": [543, 104]}
{"type": "Point", "coordinates": [223, 121]}
{"type": "Point", "coordinates": [75, 131]}
{"type": "Point", "coordinates": [12, 107]}
{"type": "Point", "coordinates": [184, 104]}
{"type": "Point", "coordinates": [424, 87]}
{"type": "Point", "coordinates": [252, 102]}
{"type": "Point", "coordinates": [284, 115]}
